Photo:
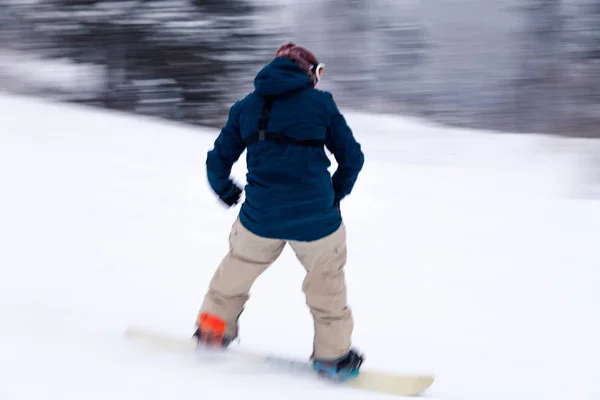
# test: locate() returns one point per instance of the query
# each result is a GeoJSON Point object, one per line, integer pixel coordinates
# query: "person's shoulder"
{"type": "Point", "coordinates": [244, 100]}
{"type": "Point", "coordinates": [324, 98]}
{"type": "Point", "coordinates": [237, 107]}
{"type": "Point", "coordinates": [323, 94]}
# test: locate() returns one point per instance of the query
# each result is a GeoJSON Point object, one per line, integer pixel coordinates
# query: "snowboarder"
{"type": "Point", "coordinates": [285, 124]}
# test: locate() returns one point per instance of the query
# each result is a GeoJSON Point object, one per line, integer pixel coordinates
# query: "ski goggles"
{"type": "Point", "coordinates": [317, 71]}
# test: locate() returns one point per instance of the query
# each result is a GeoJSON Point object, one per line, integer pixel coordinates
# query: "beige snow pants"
{"type": "Point", "coordinates": [324, 285]}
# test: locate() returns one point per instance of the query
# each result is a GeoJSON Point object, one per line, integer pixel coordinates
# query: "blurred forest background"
{"type": "Point", "coordinates": [507, 65]}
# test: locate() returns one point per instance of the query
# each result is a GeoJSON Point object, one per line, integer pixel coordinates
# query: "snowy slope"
{"type": "Point", "coordinates": [472, 255]}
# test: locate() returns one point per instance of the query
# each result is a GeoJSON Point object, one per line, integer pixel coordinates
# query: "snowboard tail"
{"type": "Point", "coordinates": [374, 381]}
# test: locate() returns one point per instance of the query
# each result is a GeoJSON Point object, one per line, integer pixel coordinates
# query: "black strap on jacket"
{"type": "Point", "coordinates": [262, 134]}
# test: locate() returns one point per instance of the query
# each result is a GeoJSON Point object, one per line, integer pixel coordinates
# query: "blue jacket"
{"type": "Point", "coordinates": [290, 193]}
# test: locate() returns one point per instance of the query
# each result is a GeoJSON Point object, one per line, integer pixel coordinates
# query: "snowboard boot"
{"type": "Point", "coordinates": [211, 331]}
{"type": "Point", "coordinates": [342, 369]}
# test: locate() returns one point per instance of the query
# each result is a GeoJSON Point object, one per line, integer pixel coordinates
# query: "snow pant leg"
{"type": "Point", "coordinates": [325, 289]}
{"type": "Point", "coordinates": [248, 257]}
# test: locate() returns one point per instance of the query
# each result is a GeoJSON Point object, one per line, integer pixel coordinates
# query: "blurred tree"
{"type": "Point", "coordinates": [346, 32]}
{"type": "Point", "coordinates": [539, 92]}
{"type": "Point", "coordinates": [453, 61]}
{"type": "Point", "coordinates": [182, 59]}
{"type": "Point", "coordinates": [586, 81]}
{"type": "Point", "coordinates": [225, 7]}
{"type": "Point", "coordinates": [399, 54]}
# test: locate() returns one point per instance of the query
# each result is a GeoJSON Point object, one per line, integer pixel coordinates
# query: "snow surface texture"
{"type": "Point", "coordinates": [472, 255]}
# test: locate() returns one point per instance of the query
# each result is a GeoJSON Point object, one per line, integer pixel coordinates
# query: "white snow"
{"type": "Point", "coordinates": [472, 255]}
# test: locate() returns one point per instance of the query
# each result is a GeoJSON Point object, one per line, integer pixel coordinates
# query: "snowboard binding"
{"type": "Point", "coordinates": [211, 331]}
{"type": "Point", "coordinates": [342, 369]}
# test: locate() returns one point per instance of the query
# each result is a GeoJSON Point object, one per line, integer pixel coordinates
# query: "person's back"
{"type": "Point", "coordinates": [289, 192]}
{"type": "Point", "coordinates": [285, 125]}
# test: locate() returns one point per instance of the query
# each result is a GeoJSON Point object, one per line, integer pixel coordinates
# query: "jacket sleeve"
{"type": "Point", "coordinates": [347, 152]}
{"type": "Point", "coordinates": [228, 147]}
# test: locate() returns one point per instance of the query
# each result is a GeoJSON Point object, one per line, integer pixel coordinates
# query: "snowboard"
{"type": "Point", "coordinates": [396, 384]}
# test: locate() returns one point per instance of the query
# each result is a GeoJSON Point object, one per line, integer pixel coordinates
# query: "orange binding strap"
{"type": "Point", "coordinates": [212, 328]}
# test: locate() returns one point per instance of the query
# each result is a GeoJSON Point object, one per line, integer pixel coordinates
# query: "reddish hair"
{"type": "Point", "coordinates": [300, 55]}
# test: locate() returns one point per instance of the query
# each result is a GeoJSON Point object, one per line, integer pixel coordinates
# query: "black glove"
{"type": "Point", "coordinates": [233, 196]}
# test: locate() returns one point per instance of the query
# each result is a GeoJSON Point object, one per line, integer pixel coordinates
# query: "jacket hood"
{"type": "Point", "coordinates": [280, 76]}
